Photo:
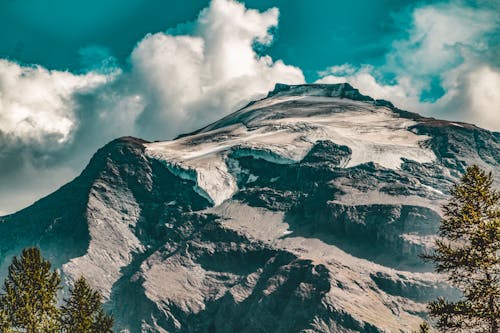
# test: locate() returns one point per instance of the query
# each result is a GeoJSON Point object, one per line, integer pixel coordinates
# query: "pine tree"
{"type": "Point", "coordinates": [83, 312]}
{"type": "Point", "coordinates": [5, 324]}
{"type": "Point", "coordinates": [29, 295]}
{"type": "Point", "coordinates": [424, 328]}
{"type": "Point", "coordinates": [468, 251]}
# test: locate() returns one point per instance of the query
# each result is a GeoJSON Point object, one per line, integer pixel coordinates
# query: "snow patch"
{"type": "Point", "coordinates": [282, 130]}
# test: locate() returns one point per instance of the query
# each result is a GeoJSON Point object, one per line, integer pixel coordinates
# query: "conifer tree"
{"type": "Point", "coordinates": [29, 295]}
{"type": "Point", "coordinates": [468, 252]}
{"type": "Point", "coordinates": [423, 328]}
{"type": "Point", "coordinates": [5, 325]}
{"type": "Point", "coordinates": [83, 312]}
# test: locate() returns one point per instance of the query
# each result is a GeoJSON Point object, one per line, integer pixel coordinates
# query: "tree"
{"type": "Point", "coordinates": [5, 324]}
{"type": "Point", "coordinates": [30, 294]}
{"type": "Point", "coordinates": [83, 312]}
{"type": "Point", "coordinates": [423, 328]}
{"type": "Point", "coordinates": [468, 251]}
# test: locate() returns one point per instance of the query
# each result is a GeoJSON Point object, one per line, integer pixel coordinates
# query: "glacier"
{"type": "Point", "coordinates": [282, 129]}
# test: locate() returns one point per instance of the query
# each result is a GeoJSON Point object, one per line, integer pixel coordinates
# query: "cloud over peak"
{"type": "Point", "coordinates": [196, 78]}
{"type": "Point", "coordinates": [448, 47]}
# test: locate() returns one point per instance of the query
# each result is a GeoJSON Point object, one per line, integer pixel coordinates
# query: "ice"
{"type": "Point", "coordinates": [282, 130]}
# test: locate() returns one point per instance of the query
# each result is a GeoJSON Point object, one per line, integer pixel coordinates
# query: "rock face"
{"type": "Point", "coordinates": [302, 212]}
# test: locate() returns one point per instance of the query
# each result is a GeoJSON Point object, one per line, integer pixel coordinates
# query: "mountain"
{"type": "Point", "coordinates": [302, 212]}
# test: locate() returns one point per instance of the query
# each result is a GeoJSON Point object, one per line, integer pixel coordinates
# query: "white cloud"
{"type": "Point", "coordinates": [403, 94]}
{"type": "Point", "coordinates": [484, 94]}
{"type": "Point", "coordinates": [473, 95]}
{"type": "Point", "coordinates": [36, 104]}
{"type": "Point", "coordinates": [439, 36]}
{"type": "Point", "coordinates": [190, 80]}
{"type": "Point", "coordinates": [448, 42]}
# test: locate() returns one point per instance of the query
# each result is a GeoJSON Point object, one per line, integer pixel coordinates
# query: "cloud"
{"type": "Point", "coordinates": [36, 105]}
{"type": "Point", "coordinates": [367, 79]}
{"type": "Point", "coordinates": [483, 94]}
{"type": "Point", "coordinates": [444, 67]}
{"type": "Point", "coordinates": [190, 80]}
{"type": "Point", "coordinates": [51, 121]}
{"type": "Point", "coordinates": [440, 38]}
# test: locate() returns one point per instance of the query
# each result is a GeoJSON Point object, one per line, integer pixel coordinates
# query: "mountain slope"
{"type": "Point", "coordinates": [304, 211]}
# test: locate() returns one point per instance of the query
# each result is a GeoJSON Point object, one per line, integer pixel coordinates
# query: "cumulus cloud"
{"type": "Point", "coordinates": [190, 80]}
{"type": "Point", "coordinates": [36, 105]}
{"type": "Point", "coordinates": [51, 121]}
{"type": "Point", "coordinates": [483, 95]}
{"type": "Point", "coordinates": [367, 79]}
{"type": "Point", "coordinates": [448, 45]}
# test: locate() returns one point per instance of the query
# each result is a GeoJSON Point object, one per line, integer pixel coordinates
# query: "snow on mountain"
{"type": "Point", "coordinates": [283, 129]}
{"type": "Point", "coordinates": [302, 212]}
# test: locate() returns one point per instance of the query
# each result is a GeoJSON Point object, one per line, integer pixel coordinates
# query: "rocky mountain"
{"type": "Point", "coordinates": [302, 212]}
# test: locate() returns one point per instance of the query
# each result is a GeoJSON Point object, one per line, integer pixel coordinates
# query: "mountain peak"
{"type": "Point", "coordinates": [317, 197]}
{"type": "Point", "coordinates": [339, 90]}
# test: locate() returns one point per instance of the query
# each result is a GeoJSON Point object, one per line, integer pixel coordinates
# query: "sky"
{"type": "Point", "coordinates": [76, 74]}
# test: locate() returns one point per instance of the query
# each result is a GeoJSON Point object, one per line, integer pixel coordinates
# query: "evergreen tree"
{"type": "Point", "coordinates": [424, 328]}
{"type": "Point", "coordinates": [5, 325]}
{"type": "Point", "coordinates": [30, 294]}
{"type": "Point", "coordinates": [83, 312]}
{"type": "Point", "coordinates": [468, 251]}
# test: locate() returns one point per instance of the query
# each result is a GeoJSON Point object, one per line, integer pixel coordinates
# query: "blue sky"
{"type": "Point", "coordinates": [312, 34]}
{"type": "Point", "coordinates": [76, 74]}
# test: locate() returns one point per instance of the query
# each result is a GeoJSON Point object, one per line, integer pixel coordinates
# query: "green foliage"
{"type": "Point", "coordinates": [5, 324]}
{"type": "Point", "coordinates": [30, 293]}
{"type": "Point", "coordinates": [468, 251]}
{"type": "Point", "coordinates": [423, 328]}
{"type": "Point", "coordinates": [28, 302]}
{"type": "Point", "coordinates": [83, 312]}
